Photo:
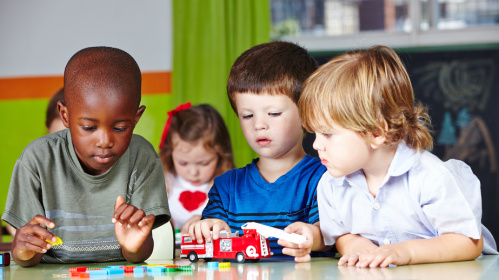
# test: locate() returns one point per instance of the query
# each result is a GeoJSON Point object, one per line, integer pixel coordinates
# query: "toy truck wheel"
{"type": "Point", "coordinates": [193, 257]}
{"type": "Point", "coordinates": [240, 257]}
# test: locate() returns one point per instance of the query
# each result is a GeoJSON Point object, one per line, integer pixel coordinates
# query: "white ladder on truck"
{"type": "Point", "coordinates": [274, 232]}
{"type": "Point", "coordinates": [263, 245]}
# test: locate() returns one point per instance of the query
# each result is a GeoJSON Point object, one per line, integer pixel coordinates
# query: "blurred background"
{"type": "Point", "coordinates": [185, 50]}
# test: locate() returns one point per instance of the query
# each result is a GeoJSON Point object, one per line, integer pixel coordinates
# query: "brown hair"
{"type": "Point", "coordinates": [52, 112]}
{"type": "Point", "coordinates": [362, 90]}
{"type": "Point", "coordinates": [204, 123]}
{"type": "Point", "coordinates": [272, 68]}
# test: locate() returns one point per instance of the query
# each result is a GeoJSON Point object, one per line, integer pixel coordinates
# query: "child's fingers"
{"type": "Point", "coordinates": [198, 235]}
{"type": "Point", "coordinates": [349, 260]}
{"type": "Point", "coordinates": [34, 227]}
{"type": "Point", "coordinates": [124, 213]}
{"type": "Point", "coordinates": [36, 248]}
{"type": "Point", "coordinates": [287, 244]}
{"type": "Point", "coordinates": [342, 260]}
{"type": "Point", "coordinates": [39, 219]}
{"type": "Point", "coordinates": [191, 230]}
{"type": "Point", "coordinates": [186, 228]}
{"type": "Point", "coordinates": [301, 229]}
{"type": "Point", "coordinates": [365, 260]}
{"type": "Point", "coordinates": [135, 218]}
{"type": "Point", "coordinates": [226, 227]}
{"type": "Point", "coordinates": [206, 228]}
{"type": "Point", "coordinates": [119, 207]}
{"type": "Point", "coordinates": [218, 227]}
{"type": "Point", "coordinates": [33, 237]}
{"type": "Point", "coordinates": [188, 223]}
{"type": "Point", "coordinates": [375, 261]}
{"type": "Point", "coordinates": [119, 201]}
{"type": "Point", "coordinates": [305, 258]}
{"type": "Point", "coordinates": [387, 261]}
{"type": "Point", "coordinates": [147, 221]}
{"type": "Point", "coordinates": [294, 228]}
{"type": "Point", "coordinates": [295, 252]}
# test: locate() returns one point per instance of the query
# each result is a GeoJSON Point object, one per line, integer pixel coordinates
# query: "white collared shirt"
{"type": "Point", "coordinates": [420, 197]}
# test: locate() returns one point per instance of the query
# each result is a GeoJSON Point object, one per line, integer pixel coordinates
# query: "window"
{"type": "Point", "coordinates": [457, 14]}
{"type": "Point", "coordinates": [225, 245]}
{"type": "Point", "coordinates": [345, 24]}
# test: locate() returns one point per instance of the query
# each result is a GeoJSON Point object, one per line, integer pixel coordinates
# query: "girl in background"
{"type": "Point", "coordinates": [195, 148]}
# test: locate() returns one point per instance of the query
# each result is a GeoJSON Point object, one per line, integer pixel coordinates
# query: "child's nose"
{"type": "Point", "coordinates": [260, 123]}
{"type": "Point", "coordinates": [194, 171]}
{"type": "Point", "coordinates": [105, 140]}
{"type": "Point", "coordinates": [318, 145]}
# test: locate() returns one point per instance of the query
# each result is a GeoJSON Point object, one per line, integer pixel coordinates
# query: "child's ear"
{"type": "Point", "coordinates": [140, 111]}
{"type": "Point", "coordinates": [378, 138]}
{"type": "Point", "coordinates": [63, 113]}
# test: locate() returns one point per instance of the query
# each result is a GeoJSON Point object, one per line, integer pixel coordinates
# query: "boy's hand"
{"type": "Point", "coordinates": [30, 238]}
{"type": "Point", "coordinates": [188, 223]}
{"type": "Point", "coordinates": [301, 252]}
{"type": "Point", "coordinates": [349, 260]}
{"type": "Point", "coordinates": [382, 256]}
{"type": "Point", "coordinates": [201, 229]}
{"type": "Point", "coordinates": [131, 225]}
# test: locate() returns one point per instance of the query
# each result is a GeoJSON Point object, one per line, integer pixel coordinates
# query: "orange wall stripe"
{"type": "Point", "coordinates": [30, 87]}
{"type": "Point", "coordinates": [45, 87]}
{"type": "Point", "coordinates": [157, 82]}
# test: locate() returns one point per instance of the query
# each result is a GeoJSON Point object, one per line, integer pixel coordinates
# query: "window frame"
{"type": "Point", "coordinates": [416, 38]}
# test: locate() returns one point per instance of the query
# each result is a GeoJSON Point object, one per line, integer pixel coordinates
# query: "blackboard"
{"type": "Point", "coordinates": [460, 85]}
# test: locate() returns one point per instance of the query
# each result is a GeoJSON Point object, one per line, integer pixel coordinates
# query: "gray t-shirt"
{"type": "Point", "coordinates": [48, 180]}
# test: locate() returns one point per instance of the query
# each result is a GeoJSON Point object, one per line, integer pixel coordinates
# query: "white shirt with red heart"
{"type": "Point", "coordinates": [185, 200]}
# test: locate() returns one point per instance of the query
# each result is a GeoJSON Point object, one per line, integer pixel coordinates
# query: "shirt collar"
{"type": "Point", "coordinates": [403, 161]}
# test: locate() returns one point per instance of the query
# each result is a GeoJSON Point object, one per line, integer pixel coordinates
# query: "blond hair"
{"type": "Point", "coordinates": [369, 92]}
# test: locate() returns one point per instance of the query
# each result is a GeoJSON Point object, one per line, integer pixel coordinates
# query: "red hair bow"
{"type": "Point", "coordinates": [172, 113]}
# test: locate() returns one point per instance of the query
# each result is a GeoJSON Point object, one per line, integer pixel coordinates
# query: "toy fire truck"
{"type": "Point", "coordinates": [250, 246]}
{"type": "Point", "coordinates": [253, 245]}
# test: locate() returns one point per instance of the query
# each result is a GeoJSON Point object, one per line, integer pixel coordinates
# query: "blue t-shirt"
{"type": "Point", "coordinates": [242, 195]}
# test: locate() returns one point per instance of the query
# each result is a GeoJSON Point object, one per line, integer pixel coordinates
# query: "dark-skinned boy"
{"type": "Point", "coordinates": [95, 185]}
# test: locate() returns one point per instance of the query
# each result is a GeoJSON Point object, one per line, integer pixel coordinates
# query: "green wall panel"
{"type": "Point", "coordinates": [22, 122]}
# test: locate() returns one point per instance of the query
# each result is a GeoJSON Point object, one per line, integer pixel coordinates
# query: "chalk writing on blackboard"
{"type": "Point", "coordinates": [463, 88]}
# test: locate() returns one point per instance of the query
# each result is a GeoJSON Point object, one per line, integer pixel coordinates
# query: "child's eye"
{"type": "Point", "coordinates": [205, 163]}
{"type": "Point", "coordinates": [249, 116]}
{"type": "Point", "coordinates": [275, 114]}
{"type": "Point", "coordinates": [182, 163]}
{"type": "Point", "coordinates": [120, 129]}
{"type": "Point", "coordinates": [88, 128]}
{"type": "Point", "coordinates": [327, 135]}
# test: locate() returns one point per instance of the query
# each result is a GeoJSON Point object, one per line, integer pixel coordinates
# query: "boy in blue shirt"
{"type": "Point", "coordinates": [278, 188]}
{"type": "Point", "coordinates": [65, 184]}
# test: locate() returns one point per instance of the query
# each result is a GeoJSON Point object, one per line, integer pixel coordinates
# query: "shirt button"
{"type": "Point", "coordinates": [386, 241]}
{"type": "Point", "coordinates": [376, 206]}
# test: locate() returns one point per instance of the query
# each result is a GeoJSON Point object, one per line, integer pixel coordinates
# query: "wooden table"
{"type": "Point", "coordinates": [485, 267]}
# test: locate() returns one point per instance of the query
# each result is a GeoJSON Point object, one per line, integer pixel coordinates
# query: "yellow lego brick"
{"type": "Point", "coordinates": [57, 242]}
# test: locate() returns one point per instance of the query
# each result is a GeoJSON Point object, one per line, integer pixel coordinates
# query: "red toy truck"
{"type": "Point", "coordinates": [251, 246]}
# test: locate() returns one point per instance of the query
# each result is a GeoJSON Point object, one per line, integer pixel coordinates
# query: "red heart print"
{"type": "Point", "coordinates": [192, 200]}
